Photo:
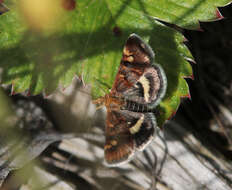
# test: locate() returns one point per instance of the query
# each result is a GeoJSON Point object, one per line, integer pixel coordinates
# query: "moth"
{"type": "Point", "coordinates": [139, 86]}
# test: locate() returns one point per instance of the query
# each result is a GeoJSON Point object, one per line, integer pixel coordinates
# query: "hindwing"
{"type": "Point", "coordinates": [125, 133]}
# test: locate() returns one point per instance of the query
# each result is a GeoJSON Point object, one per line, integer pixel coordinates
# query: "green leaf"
{"type": "Point", "coordinates": [89, 45]}
{"type": "Point", "coordinates": [184, 13]}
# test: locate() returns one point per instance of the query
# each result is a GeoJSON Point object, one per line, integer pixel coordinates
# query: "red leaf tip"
{"type": "Point", "coordinates": [173, 114]}
{"type": "Point", "coordinates": [185, 39]}
{"type": "Point", "coordinates": [187, 96]}
{"type": "Point", "coordinates": [192, 77]}
{"type": "Point", "coordinates": [219, 15]}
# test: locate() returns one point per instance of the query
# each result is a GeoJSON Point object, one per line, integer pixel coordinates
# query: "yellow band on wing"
{"type": "Point", "coordinates": [134, 129]}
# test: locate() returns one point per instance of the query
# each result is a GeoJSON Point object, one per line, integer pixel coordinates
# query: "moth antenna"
{"type": "Point", "coordinates": [100, 83]}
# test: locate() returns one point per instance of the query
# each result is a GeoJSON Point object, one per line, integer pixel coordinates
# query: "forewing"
{"type": "Point", "coordinates": [137, 52]}
{"type": "Point", "coordinates": [127, 132]}
{"type": "Point", "coordinates": [139, 81]}
{"type": "Point", "coordinates": [137, 55]}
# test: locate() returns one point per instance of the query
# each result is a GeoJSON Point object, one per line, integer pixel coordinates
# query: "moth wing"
{"type": "Point", "coordinates": [139, 80]}
{"type": "Point", "coordinates": [137, 52]}
{"type": "Point", "coordinates": [149, 89]}
{"type": "Point", "coordinates": [125, 133]}
{"type": "Point", "coordinates": [137, 55]}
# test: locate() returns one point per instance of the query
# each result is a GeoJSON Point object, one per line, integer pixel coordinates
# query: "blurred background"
{"type": "Point", "coordinates": [56, 141]}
